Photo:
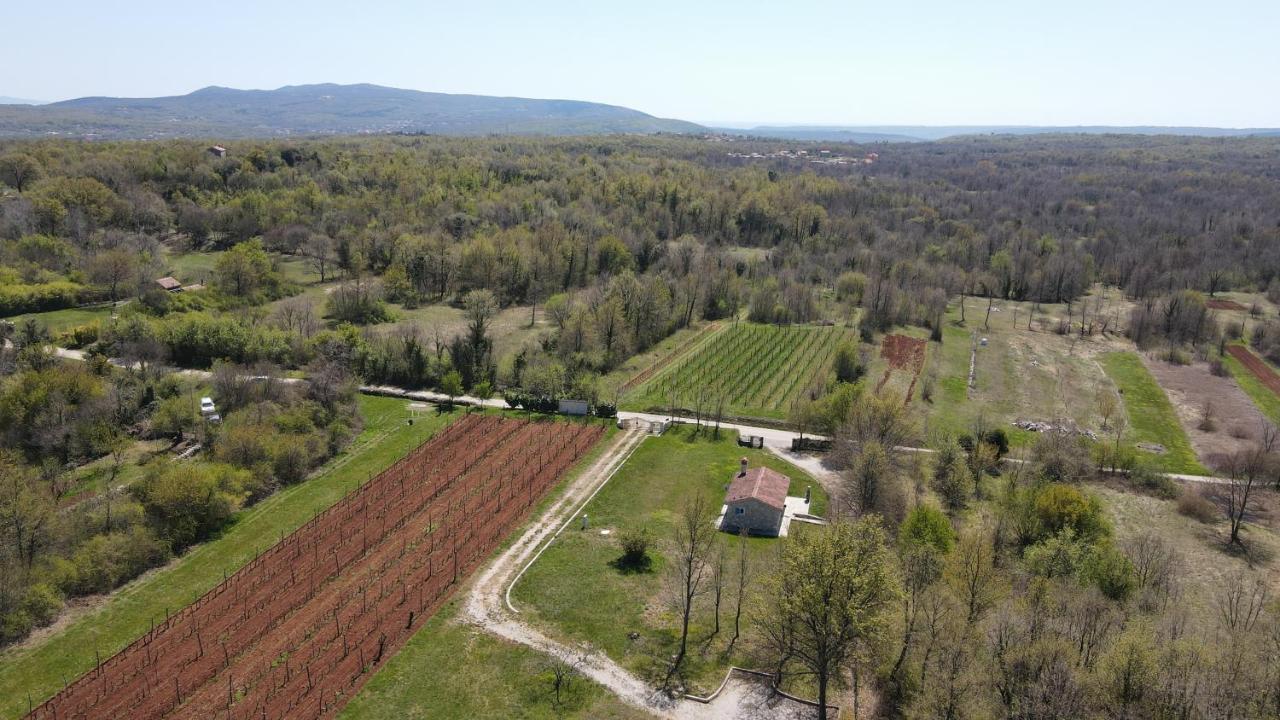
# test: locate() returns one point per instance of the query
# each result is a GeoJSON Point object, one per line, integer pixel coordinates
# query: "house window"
{"type": "Point", "coordinates": [739, 511]}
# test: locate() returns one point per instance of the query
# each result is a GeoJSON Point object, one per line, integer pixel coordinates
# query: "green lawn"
{"type": "Point", "coordinates": [1152, 418]}
{"type": "Point", "coordinates": [40, 669]}
{"type": "Point", "coordinates": [58, 320]}
{"type": "Point", "coordinates": [1265, 400]}
{"type": "Point", "coordinates": [453, 670]}
{"type": "Point", "coordinates": [761, 368]}
{"type": "Point", "coordinates": [576, 592]}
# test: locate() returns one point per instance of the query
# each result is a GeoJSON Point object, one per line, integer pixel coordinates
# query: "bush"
{"type": "Point", "coordinates": [17, 298]}
{"type": "Point", "coordinates": [1157, 483]}
{"type": "Point", "coordinates": [1176, 356]}
{"type": "Point", "coordinates": [1059, 506]}
{"type": "Point", "coordinates": [606, 411]}
{"type": "Point", "coordinates": [1110, 571]}
{"type": "Point", "coordinates": [635, 548]}
{"type": "Point", "coordinates": [1194, 505]}
{"type": "Point", "coordinates": [187, 502]}
{"type": "Point", "coordinates": [1056, 556]}
{"type": "Point", "coordinates": [927, 525]}
{"type": "Point", "coordinates": [848, 365]}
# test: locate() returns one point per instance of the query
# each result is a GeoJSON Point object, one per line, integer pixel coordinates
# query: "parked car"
{"type": "Point", "coordinates": [206, 406]}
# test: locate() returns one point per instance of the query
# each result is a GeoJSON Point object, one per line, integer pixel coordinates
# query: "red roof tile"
{"type": "Point", "coordinates": [761, 483]}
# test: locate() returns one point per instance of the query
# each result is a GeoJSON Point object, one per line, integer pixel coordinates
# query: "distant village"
{"type": "Point", "coordinates": [819, 157]}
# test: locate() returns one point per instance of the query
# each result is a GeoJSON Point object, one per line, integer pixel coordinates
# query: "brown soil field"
{"type": "Point", "coordinates": [1236, 421]}
{"type": "Point", "coordinates": [300, 629]}
{"type": "Point", "coordinates": [903, 353]}
{"type": "Point", "coordinates": [1257, 366]}
{"type": "Point", "coordinates": [1224, 305]}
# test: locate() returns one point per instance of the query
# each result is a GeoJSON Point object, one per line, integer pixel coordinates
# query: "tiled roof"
{"type": "Point", "coordinates": [761, 483]}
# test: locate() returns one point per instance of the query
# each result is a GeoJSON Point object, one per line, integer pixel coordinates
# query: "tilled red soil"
{"type": "Point", "coordinates": [298, 631]}
{"type": "Point", "coordinates": [903, 353]}
{"type": "Point", "coordinates": [1257, 366]}
{"type": "Point", "coordinates": [1224, 305]}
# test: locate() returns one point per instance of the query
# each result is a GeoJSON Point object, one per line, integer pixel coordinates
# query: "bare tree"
{"type": "Point", "coordinates": [694, 536]}
{"type": "Point", "coordinates": [1244, 470]}
{"type": "Point", "coordinates": [743, 574]}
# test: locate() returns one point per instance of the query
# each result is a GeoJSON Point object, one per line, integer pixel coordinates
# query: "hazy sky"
{"type": "Point", "coordinates": [1117, 62]}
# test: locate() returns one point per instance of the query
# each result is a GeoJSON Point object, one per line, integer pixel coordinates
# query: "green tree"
{"type": "Point", "coordinates": [188, 502]}
{"type": "Point", "coordinates": [927, 525]}
{"type": "Point", "coordinates": [19, 170]}
{"type": "Point", "coordinates": [245, 270]}
{"type": "Point", "coordinates": [828, 601]}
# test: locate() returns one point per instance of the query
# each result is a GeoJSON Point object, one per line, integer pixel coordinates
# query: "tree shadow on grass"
{"type": "Point", "coordinates": [628, 565]}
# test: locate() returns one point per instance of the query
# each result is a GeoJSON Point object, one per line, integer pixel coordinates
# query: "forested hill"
{"type": "Point", "coordinates": [323, 110]}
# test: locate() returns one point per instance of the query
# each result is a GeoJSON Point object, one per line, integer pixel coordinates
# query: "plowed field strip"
{"type": "Point", "coordinates": [296, 632]}
{"type": "Point", "coordinates": [1257, 366]}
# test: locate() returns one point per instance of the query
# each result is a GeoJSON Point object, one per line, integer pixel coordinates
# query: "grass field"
{"type": "Point", "coordinates": [1152, 418]}
{"type": "Point", "coordinates": [58, 320]}
{"type": "Point", "coordinates": [454, 670]}
{"type": "Point", "coordinates": [575, 590]}
{"type": "Point", "coordinates": [40, 667]}
{"type": "Point", "coordinates": [760, 368]}
{"type": "Point", "coordinates": [1020, 374]}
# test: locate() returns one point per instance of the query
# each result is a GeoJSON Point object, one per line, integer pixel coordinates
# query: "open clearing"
{"type": "Point", "coordinates": [43, 665]}
{"type": "Point", "coordinates": [1234, 422]}
{"type": "Point", "coordinates": [299, 629]}
{"type": "Point", "coordinates": [759, 370]}
{"type": "Point", "coordinates": [1152, 418]}
{"type": "Point", "coordinates": [577, 591]}
{"type": "Point", "coordinates": [1021, 373]}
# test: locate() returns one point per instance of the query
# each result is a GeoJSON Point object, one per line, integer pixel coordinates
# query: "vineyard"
{"type": "Point", "coordinates": [298, 631]}
{"type": "Point", "coordinates": [757, 370]}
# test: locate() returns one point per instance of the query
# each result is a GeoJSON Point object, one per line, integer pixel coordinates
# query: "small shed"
{"type": "Point", "coordinates": [169, 283]}
{"type": "Point", "coordinates": [217, 151]}
{"type": "Point", "coordinates": [573, 407]}
{"type": "Point", "coordinates": [756, 501]}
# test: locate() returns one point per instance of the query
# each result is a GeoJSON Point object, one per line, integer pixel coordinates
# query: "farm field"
{"type": "Point", "coordinates": [43, 664]}
{"type": "Point", "coordinates": [1264, 398]}
{"type": "Point", "coordinates": [576, 590]}
{"type": "Point", "coordinates": [1020, 374]}
{"type": "Point", "coordinates": [760, 369]}
{"type": "Point", "coordinates": [56, 321]}
{"type": "Point", "coordinates": [1217, 415]}
{"type": "Point", "coordinates": [1152, 418]}
{"type": "Point", "coordinates": [299, 629]}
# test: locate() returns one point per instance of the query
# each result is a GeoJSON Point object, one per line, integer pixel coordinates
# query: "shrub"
{"type": "Point", "coordinates": [1056, 556]}
{"type": "Point", "coordinates": [635, 548]}
{"type": "Point", "coordinates": [188, 502]}
{"type": "Point", "coordinates": [1110, 571]}
{"type": "Point", "coordinates": [1194, 505]}
{"type": "Point", "coordinates": [848, 364]}
{"type": "Point", "coordinates": [17, 298]}
{"type": "Point", "coordinates": [927, 525]}
{"type": "Point", "coordinates": [1059, 506]}
{"type": "Point", "coordinates": [1176, 356]}
{"type": "Point", "coordinates": [1218, 368]}
{"type": "Point", "coordinates": [1157, 483]}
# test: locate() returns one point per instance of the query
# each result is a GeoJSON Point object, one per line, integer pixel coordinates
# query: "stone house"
{"type": "Point", "coordinates": [756, 500]}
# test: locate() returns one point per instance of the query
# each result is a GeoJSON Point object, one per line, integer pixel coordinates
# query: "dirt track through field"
{"type": "Point", "coordinates": [298, 631]}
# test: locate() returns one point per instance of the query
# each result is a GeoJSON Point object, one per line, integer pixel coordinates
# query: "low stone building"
{"type": "Point", "coordinates": [756, 501]}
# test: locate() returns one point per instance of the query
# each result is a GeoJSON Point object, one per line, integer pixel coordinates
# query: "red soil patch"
{"type": "Point", "coordinates": [1257, 366]}
{"type": "Point", "coordinates": [298, 631]}
{"type": "Point", "coordinates": [903, 353]}
{"type": "Point", "coordinates": [1224, 305]}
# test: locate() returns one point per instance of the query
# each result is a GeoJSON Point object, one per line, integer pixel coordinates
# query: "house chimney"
{"type": "Point", "coordinates": [744, 467]}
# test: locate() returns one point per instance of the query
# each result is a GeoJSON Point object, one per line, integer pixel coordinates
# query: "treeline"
{"type": "Point", "coordinates": [69, 529]}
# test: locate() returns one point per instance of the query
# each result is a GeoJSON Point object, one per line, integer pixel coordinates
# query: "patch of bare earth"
{"type": "Point", "coordinates": [1235, 423]}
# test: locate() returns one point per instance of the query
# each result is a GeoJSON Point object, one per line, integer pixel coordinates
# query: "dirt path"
{"type": "Point", "coordinates": [489, 606]}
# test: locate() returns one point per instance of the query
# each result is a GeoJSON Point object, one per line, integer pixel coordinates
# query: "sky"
{"type": "Point", "coordinates": [850, 62]}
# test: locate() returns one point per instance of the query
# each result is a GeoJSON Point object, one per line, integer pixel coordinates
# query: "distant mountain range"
{"type": "Point", "coordinates": [323, 110]}
{"type": "Point", "coordinates": [6, 100]}
{"type": "Point", "coordinates": [218, 112]}
{"type": "Point", "coordinates": [925, 133]}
